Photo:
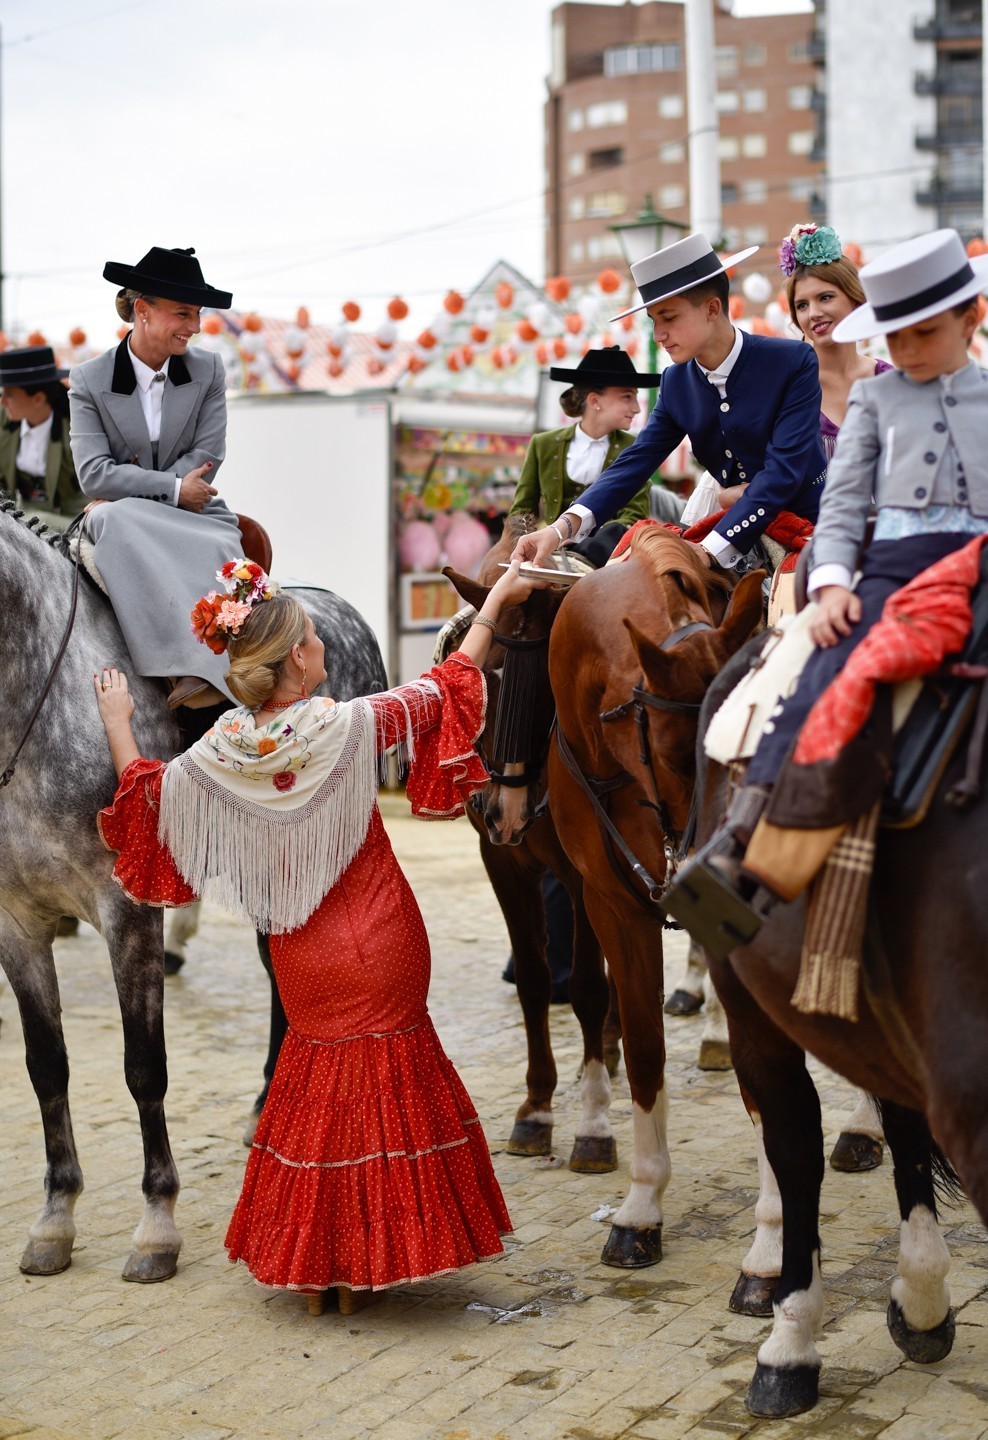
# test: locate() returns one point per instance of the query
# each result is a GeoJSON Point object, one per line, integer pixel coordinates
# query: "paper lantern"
{"type": "Point", "coordinates": [375, 366]}
{"type": "Point", "coordinates": [504, 294]}
{"type": "Point", "coordinates": [510, 355]}
{"type": "Point", "coordinates": [559, 349]}
{"type": "Point", "coordinates": [335, 369]}
{"type": "Point", "coordinates": [538, 313]}
{"type": "Point", "coordinates": [478, 334]}
{"type": "Point", "coordinates": [78, 336]}
{"type": "Point", "coordinates": [386, 334]}
{"type": "Point", "coordinates": [589, 309]}
{"type": "Point", "coordinates": [557, 287]}
{"type": "Point", "coordinates": [252, 322]}
{"type": "Point", "coordinates": [351, 311]}
{"type": "Point", "coordinates": [453, 303]}
{"type": "Point", "coordinates": [777, 317]}
{"type": "Point", "coordinates": [497, 358]}
{"type": "Point", "coordinates": [292, 371]}
{"type": "Point", "coordinates": [756, 288]}
{"type": "Point", "coordinates": [526, 331]}
{"type": "Point", "coordinates": [736, 306]}
{"type": "Point", "coordinates": [982, 308]}
{"type": "Point", "coordinates": [123, 331]}
{"type": "Point", "coordinates": [4, 342]}
{"type": "Point", "coordinates": [36, 338]}
{"type": "Point", "coordinates": [211, 325]}
{"type": "Point", "coordinates": [732, 271]}
{"type": "Point", "coordinates": [542, 353]}
{"type": "Point", "coordinates": [632, 346]}
{"type": "Point", "coordinates": [397, 309]}
{"type": "Point", "coordinates": [334, 349]}
{"type": "Point", "coordinates": [607, 340]}
{"type": "Point", "coordinates": [573, 322]}
{"type": "Point", "coordinates": [627, 322]}
{"type": "Point", "coordinates": [441, 326]}
{"type": "Point", "coordinates": [467, 354]}
{"type": "Point", "coordinates": [294, 342]}
{"type": "Point", "coordinates": [418, 546]}
{"type": "Point", "coordinates": [761, 327]}
{"type": "Point", "coordinates": [855, 254]}
{"type": "Point", "coordinates": [609, 281]}
{"type": "Point", "coordinates": [302, 318]}
{"type": "Point", "coordinates": [416, 364]}
{"type": "Point", "coordinates": [426, 340]}
{"type": "Point", "coordinates": [453, 362]}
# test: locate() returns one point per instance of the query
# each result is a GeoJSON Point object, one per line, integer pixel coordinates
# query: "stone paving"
{"type": "Point", "coordinates": [544, 1343]}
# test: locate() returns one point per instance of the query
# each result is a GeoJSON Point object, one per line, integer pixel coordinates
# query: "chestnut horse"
{"type": "Point", "coordinates": [660, 625]}
{"type": "Point", "coordinates": [919, 1043]}
{"type": "Point", "coordinates": [517, 846]}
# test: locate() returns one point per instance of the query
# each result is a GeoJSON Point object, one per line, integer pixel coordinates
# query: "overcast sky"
{"type": "Point", "coordinates": [312, 151]}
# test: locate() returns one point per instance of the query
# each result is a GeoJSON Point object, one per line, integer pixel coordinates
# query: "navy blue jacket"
{"type": "Point", "coordinates": [767, 432]}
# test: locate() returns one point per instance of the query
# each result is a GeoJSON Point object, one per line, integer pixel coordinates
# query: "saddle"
{"type": "Point", "coordinates": [256, 547]}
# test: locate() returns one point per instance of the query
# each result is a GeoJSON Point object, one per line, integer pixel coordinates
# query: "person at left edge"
{"type": "Point", "coordinates": [35, 456]}
{"type": "Point", "coordinates": [749, 405]}
{"type": "Point", "coordinates": [149, 434]}
{"type": "Point", "coordinates": [560, 464]}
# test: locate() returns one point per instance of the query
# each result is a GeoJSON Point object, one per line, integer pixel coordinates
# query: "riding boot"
{"type": "Point", "coordinates": [711, 896]}
{"type": "Point", "coordinates": [193, 692]}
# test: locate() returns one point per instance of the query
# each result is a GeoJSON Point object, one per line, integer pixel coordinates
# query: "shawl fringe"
{"type": "Point", "coordinates": [271, 866]}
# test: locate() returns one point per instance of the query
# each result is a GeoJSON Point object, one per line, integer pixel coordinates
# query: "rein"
{"type": "Point", "coordinates": [77, 523]}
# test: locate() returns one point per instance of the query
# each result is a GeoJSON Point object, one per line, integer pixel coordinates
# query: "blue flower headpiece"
{"type": "Point", "coordinates": [809, 245]}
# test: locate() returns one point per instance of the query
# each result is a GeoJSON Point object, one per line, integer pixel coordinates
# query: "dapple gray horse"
{"type": "Point", "coordinates": [53, 863]}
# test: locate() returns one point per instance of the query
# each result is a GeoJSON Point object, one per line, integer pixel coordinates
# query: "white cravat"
{"type": "Point", "coordinates": [585, 457]}
{"type": "Point", "coordinates": [151, 390]}
{"type": "Point", "coordinates": [32, 451]}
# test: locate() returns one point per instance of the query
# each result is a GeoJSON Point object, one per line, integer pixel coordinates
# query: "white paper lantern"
{"type": "Point", "coordinates": [757, 288]}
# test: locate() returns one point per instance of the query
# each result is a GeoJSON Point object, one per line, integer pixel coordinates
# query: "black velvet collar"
{"type": "Point", "coordinates": [124, 379]}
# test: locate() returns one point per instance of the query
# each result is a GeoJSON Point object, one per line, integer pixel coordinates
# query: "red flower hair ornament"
{"type": "Point", "coordinates": [218, 616]}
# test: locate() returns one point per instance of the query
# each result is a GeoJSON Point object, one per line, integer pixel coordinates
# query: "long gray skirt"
{"type": "Point", "coordinates": [156, 561]}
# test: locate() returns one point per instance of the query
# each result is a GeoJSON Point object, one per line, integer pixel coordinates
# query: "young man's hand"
{"type": "Point", "coordinates": [838, 609]}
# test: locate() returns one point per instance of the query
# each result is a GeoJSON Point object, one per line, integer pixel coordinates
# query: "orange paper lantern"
{"type": "Point", "coordinates": [574, 322]}
{"type": "Point", "coordinates": [302, 318]}
{"type": "Point", "coordinates": [375, 366]}
{"type": "Point", "coordinates": [526, 331]}
{"type": "Point", "coordinates": [504, 294]}
{"type": "Point", "coordinates": [123, 331]}
{"type": "Point", "coordinates": [335, 369]}
{"type": "Point", "coordinates": [609, 281]}
{"type": "Point", "coordinates": [632, 346]}
{"type": "Point", "coordinates": [542, 353]}
{"type": "Point", "coordinates": [335, 350]}
{"type": "Point", "coordinates": [761, 327]}
{"type": "Point", "coordinates": [478, 334]}
{"type": "Point", "coordinates": [415, 364]}
{"type": "Point", "coordinates": [982, 308]}
{"type": "Point", "coordinates": [36, 338]}
{"type": "Point", "coordinates": [453, 303]}
{"type": "Point", "coordinates": [559, 349]}
{"type": "Point", "coordinates": [467, 354]}
{"type": "Point", "coordinates": [497, 358]}
{"type": "Point", "coordinates": [211, 324]}
{"type": "Point", "coordinates": [732, 271]}
{"type": "Point", "coordinates": [736, 307]}
{"type": "Point", "coordinates": [977, 246]}
{"type": "Point", "coordinates": [628, 322]}
{"type": "Point", "coordinates": [351, 311]}
{"type": "Point", "coordinates": [453, 361]}
{"type": "Point", "coordinates": [252, 323]}
{"type": "Point", "coordinates": [292, 371]}
{"type": "Point", "coordinates": [397, 309]}
{"type": "Point", "coordinates": [854, 253]}
{"type": "Point", "coordinates": [607, 339]}
{"type": "Point", "coordinates": [426, 340]}
{"type": "Point", "coordinates": [77, 336]}
{"type": "Point", "coordinates": [557, 287]}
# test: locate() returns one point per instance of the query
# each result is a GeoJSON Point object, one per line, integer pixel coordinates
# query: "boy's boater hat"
{"type": "Point", "coordinates": [679, 267]}
{"type": "Point", "coordinates": [913, 281]}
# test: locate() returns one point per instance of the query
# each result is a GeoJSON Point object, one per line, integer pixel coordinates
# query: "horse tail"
{"type": "Point", "coordinates": [947, 1184]}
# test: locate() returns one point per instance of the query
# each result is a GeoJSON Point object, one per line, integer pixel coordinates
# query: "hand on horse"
{"type": "Point", "coordinates": [194, 494]}
{"type": "Point", "coordinates": [537, 547]}
{"type": "Point", "coordinates": [116, 706]}
{"type": "Point", "coordinates": [838, 610]}
{"type": "Point", "coordinates": [702, 553]}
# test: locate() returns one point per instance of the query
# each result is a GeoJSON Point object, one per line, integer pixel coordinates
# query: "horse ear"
{"type": "Point", "coordinates": [744, 611]}
{"type": "Point", "coordinates": [469, 590]}
{"type": "Point", "coordinates": [658, 665]}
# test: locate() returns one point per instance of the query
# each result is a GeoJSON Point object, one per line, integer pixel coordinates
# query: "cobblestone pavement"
{"type": "Point", "coordinates": [544, 1343]}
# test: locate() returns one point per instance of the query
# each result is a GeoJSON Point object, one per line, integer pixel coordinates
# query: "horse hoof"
{"type": "Point", "coordinates": [715, 1055]}
{"type": "Point", "coordinates": [149, 1268]}
{"type": "Point", "coordinates": [855, 1153]}
{"type": "Point", "coordinates": [530, 1137]}
{"type": "Point", "coordinates": [776, 1392]}
{"type": "Point", "coordinates": [683, 1002]}
{"type": "Point", "coordinates": [631, 1249]}
{"type": "Point", "coordinates": [612, 1059]}
{"type": "Point", "coordinates": [753, 1295]}
{"type": "Point", "coordinates": [173, 962]}
{"type": "Point", "coordinates": [925, 1347]}
{"type": "Point", "coordinates": [593, 1154]}
{"type": "Point", "coordinates": [46, 1257]}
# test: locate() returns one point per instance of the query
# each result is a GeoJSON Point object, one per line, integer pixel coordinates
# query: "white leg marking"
{"type": "Point", "coordinates": [55, 1221]}
{"type": "Point", "coordinates": [864, 1119]}
{"type": "Point", "coordinates": [696, 970]}
{"type": "Point", "coordinates": [538, 1117]}
{"type": "Point", "coordinates": [650, 1167]}
{"type": "Point", "coordinates": [765, 1256]}
{"type": "Point", "coordinates": [595, 1091]}
{"type": "Point", "coordinates": [920, 1286]}
{"type": "Point", "coordinates": [797, 1320]}
{"type": "Point", "coordinates": [182, 925]}
{"type": "Point", "coordinates": [715, 1021]}
{"type": "Point", "coordinates": [157, 1231]}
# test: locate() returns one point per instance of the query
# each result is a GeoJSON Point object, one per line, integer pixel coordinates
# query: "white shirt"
{"type": "Point", "coordinates": [32, 450]}
{"type": "Point", "coordinates": [151, 391]}
{"type": "Point", "coordinates": [722, 550]}
{"type": "Point", "coordinates": [585, 457]}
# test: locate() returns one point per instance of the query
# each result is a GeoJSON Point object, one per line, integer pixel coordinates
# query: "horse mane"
{"type": "Point", "coordinates": [515, 526]}
{"type": "Point", "coordinates": [663, 552]}
{"type": "Point", "coordinates": [34, 525]}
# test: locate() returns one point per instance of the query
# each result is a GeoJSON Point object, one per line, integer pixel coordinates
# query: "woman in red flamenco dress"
{"type": "Point", "coordinates": [369, 1168]}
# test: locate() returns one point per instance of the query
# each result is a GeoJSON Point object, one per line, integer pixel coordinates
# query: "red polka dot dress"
{"type": "Point", "coordinates": [369, 1166]}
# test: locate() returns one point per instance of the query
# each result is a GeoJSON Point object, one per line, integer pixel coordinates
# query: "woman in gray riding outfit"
{"type": "Point", "coordinates": [148, 429]}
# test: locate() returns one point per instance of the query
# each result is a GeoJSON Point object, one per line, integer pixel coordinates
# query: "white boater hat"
{"type": "Point", "coordinates": [679, 267]}
{"type": "Point", "coordinates": [913, 281]}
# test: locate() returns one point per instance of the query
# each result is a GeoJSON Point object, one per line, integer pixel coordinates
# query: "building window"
{"type": "Point", "coordinates": [671, 107]}
{"type": "Point", "coordinates": [799, 52]}
{"type": "Point", "coordinates": [726, 59]}
{"type": "Point", "coordinates": [575, 120]}
{"type": "Point", "coordinates": [753, 147]}
{"type": "Point", "coordinates": [607, 202]}
{"type": "Point", "coordinates": [607, 112]}
{"type": "Point", "coordinates": [642, 59]}
{"type": "Point", "coordinates": [727, 102]}
{"type": "Point", "coordinates": [604, 247]}
{"type": "Point", "coordinates": [802, 189]}
{"type": "Point", "coordinates": [671, 197]}
{"type": "Point", "coordinates": [728, 147]}
{"type": "Point", "coordinates": [753, 100]}
{"type": "Point", "coordinates": [575, 164]}
{"type": "Point", "coordinates": [754, 55]}
{"type": "Point", "coordinates": [728, 193]}
{"type": "Point", "coordinates": [755, 235]}
{"type": "Point", "coordinates": [801, 142]}
{"type": "Point", "coordinates": [576, 252]}
{"type": "Point", "coordinates": [754, 192]}
{"type": "Point", "coordinates": [606, 159]}
{"type": "Point", "coordinates": [672, 153]}
{"type": "Point", "coordinates": [800, 97]}
{"type": "Point", "coordinates": [576, 207]}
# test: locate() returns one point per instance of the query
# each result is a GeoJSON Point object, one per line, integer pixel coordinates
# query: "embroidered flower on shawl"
{"type": "Point", "coordinates": [284, 780]}
{"type": "Point", "coordinates": [266, 746]}
{"type": "Point", "coordinates": [809, 245]}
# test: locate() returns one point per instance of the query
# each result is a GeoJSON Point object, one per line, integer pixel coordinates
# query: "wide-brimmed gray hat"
{"type": "Point", "coordinates": [679, 267]}
{"type": "Point", "coordinates": [911, 282]}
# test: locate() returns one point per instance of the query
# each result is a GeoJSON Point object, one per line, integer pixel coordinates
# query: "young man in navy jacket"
{"type": "Point", "coordinates": [749, 405]}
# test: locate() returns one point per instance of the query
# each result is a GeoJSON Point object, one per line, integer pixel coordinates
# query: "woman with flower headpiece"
{"type": "Point", "coordinates": [369, 1168]}
{"type": "Point", "coordinates": [822, 286]}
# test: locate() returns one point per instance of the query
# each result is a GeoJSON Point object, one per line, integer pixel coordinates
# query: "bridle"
{"type": "Point", "coordinates": [77, 523]}
{"type": "Point", "coordinates": [597, 788]}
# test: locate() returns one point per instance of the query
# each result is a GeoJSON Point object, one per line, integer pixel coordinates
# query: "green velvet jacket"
{"type": "Point", "coordinates": [64, 492]}
{"type": "Point", "coordinates": [544, 483]}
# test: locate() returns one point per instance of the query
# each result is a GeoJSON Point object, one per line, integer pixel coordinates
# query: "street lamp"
{"type": "Point", "coordinates": [647, 232]}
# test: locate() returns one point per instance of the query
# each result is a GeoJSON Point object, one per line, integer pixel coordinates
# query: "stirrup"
{"type": "Point", "coordinates": [714, 914]}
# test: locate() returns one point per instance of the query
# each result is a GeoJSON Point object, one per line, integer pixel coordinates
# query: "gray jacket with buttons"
{"type": "Point", "coordinates": [909, 445]}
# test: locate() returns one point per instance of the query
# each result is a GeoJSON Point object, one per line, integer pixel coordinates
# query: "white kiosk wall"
{"type": "Point", "coordinates": [315, 471]}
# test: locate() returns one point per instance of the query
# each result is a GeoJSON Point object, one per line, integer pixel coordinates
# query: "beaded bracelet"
{"type": "Point", "coordinates": [485, 620]}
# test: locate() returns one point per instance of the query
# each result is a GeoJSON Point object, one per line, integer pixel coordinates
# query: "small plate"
{"type": "Point", "coordinates": [545, 572]}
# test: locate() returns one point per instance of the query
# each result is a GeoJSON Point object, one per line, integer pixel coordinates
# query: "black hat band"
{"type": "Point", "coordinates": [924, 298]}
{"type": "Point", "coordinates": [680, 279]}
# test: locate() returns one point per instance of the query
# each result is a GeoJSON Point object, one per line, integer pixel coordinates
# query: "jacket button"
{"type": "Point", "coordinates": [962, 496]}
{"type": "Point", "coordinates": [939, 426]}
{"type": "Point", "coordinates": [950, 400]}
{"type": "Point", "coordinates": [920, 492]}
{"type": "Point", "coordinates": [930, 458]}
{"type": "Point", "coordinates": [723, 474]}
{"type": "Point", "coordinates": [724, 405]}
{"type": "Point", "coordinates": [728, 454]}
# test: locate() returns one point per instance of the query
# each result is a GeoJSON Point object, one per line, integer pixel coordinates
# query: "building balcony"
{"type": "Point", "coordinates": [947, 84]}
{"type": "Point", "coordinates": [816, 49]}
{"type": "Point", "coordinates": [950, 136]}
{"type": "Point", "coordinates": [945, 31]}
{"type": "Point", "coordinates": [939, 193]}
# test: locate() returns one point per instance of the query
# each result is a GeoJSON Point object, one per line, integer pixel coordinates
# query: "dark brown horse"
{"type": "Point", "coordinates": [517, 846]}
{"type": "Point", "coordinates": [660, 625]}
{"type": "Point", "coordinates": [919, 1043]}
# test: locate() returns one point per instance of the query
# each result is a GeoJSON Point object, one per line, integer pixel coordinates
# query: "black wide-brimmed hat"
{"type": "Point", "coordinates": [30, 367]}
{"type": "Point", "coordinates": [600, 368]}
{"type": "Point", "coordinates": [170, 274]}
